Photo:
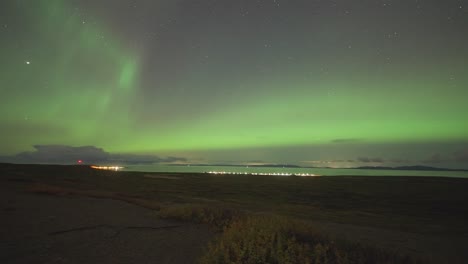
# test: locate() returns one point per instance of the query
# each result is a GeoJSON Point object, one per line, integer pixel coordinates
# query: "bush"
{"type": "Point", "coordinates": [273, 239]}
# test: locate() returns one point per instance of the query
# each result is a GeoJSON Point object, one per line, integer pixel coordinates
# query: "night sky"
{"type": "Point", "coordinates": [321, 83]}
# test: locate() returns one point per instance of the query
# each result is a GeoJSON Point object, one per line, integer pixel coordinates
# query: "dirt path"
{"type": "Point", "coordinates": [72, 229]}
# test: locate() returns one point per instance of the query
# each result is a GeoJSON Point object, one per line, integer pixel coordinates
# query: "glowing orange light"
{"type": "Point", "coordinates": [114, 168]}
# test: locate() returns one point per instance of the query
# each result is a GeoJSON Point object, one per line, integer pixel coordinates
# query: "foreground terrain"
{"type": "Point", "coordinates": [74, 214]}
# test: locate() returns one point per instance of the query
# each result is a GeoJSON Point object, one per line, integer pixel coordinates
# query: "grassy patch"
{"type": "Point", "coordinates": [215, 215]}
{"type": "Point", "coordinates": [268, 238]}
{"type": "Point", "coordinates": [273, 239]}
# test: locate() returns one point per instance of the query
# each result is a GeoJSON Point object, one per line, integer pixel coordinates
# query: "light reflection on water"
{"type": "Point", "coordinates": [317, 171]}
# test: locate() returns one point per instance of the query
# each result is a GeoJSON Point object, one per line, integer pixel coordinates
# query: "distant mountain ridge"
{"type": "Point", "coordinates": [241, 165]}
{"type": "Point", "coordinates": [415, 167]}
{"type": "Point", "coordinates": [410, 168]}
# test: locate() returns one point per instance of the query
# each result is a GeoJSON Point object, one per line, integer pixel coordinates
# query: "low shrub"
{"type": "Point", "coordinates": [274, 239]}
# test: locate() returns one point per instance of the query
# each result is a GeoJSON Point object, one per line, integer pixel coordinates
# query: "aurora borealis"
{"type": "Point", "coordinates": [332, 83]}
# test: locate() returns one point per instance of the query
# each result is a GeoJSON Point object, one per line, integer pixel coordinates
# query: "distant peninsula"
{"type": "Point", "coordinates": [416, 168]}
{"type": "Point", "coordinates": [409, 168]}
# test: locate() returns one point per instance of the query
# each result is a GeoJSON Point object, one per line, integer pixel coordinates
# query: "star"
{"type": "Point", "coordinates": [28, 62]}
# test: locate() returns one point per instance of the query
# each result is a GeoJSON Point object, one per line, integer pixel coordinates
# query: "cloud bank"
{"type": "Point", "coordinates": [63, 154]}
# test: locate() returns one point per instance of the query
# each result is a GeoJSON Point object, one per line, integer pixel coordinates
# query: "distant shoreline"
{"type": "Point", "coordinates": [269, 170]}
{"type": "Point", "coordinates": [410, 168]}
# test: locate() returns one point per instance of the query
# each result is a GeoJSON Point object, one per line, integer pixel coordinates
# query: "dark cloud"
{"type": "Point", "coordinates": [346, 140]}
{"type": "Point", "coordinates": [62, 154]}
{"type": "Point", "coordinates": [368, 160]}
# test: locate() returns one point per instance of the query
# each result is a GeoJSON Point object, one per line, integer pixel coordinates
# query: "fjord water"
{"type": "Point", "coordinates": [316, 171]}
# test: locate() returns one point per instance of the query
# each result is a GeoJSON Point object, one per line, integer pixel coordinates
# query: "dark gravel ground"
{"type": "Point", "coordinates": [71, 229]}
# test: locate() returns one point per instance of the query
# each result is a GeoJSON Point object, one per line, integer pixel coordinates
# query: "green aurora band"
{"type": "Point", "coordinates": [83, 86]}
